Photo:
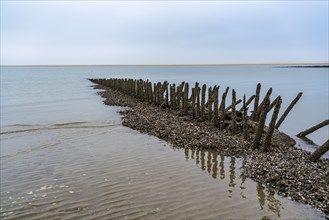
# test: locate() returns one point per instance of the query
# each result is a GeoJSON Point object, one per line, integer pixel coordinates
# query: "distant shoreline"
{"type": "Point", "coordinates": [279, 65]}
{"type": "Point", "coordinates": [311, 66]}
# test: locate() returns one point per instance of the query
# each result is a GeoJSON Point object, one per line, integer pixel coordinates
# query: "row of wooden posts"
{"type": "Point", "coordinates": [195, 105]}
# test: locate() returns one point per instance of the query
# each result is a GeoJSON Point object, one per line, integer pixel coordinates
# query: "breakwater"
{"type": "Point", "coordinates": [189, 120]}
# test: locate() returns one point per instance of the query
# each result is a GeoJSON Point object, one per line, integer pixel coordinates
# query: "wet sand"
{"type": "Point", "coordinates": [284, 169]}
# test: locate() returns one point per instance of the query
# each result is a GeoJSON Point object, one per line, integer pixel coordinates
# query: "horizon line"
{"type": "Point", "coordinates": [167, 64]}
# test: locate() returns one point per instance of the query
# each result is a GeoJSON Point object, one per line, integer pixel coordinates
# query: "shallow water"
{"type": "Point", "coordinates": [116, 172]}
{"type": "Point", "coordinates": [66, 155]}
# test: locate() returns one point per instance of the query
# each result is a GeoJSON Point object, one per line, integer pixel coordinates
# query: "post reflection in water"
{"type": "Point", "coordinates": [215, 166]}
{"type": "Point", "coordinates": [265, 198]}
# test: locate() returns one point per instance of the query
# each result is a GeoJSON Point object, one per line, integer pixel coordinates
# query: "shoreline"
{"type": "Point", "coordinates": [285, 169]}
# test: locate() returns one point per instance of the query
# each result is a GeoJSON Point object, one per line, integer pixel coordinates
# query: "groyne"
{"type": "Point", "coordinates": [198, 117]}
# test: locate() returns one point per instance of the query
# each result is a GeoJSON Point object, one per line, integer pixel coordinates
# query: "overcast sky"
{"type": "Point", "coordinates": [124, 32]}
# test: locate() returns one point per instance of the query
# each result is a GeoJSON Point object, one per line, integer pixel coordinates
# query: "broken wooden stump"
{"type": "Point", "coordinates": [286, 112]}
{"type": "Point", "coordinates": [269, 134]}
{"type": "Point", "coordinates": [314, 128]}
{"type": "Point", "coordinates": [261, 125]}
{"type": "Point", "coordinates": [256, 100]}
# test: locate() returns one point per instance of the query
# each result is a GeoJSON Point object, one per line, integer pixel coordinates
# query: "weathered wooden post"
{"type": "Point", "coordinates": [215, 95]}
{"type": "Point", "coordinates": [186, 90]}
{"type": "Point", "coordinates": [256, 102]}
{"type": "Point", "coordinates": [245, 119]}
{"type": "Point", "coordinates": [222, 109]}
{"type": "Point", "coordinates": [261, 124]}
{"type": "Point", "coordinates": [286, 112]}
{"type": "Point", "coordinates": [193, 102]}
{"type": "Point", "coordinates": [198, 110]}
{"type": "Point", "coordinates": [314, 128]}
{"type": "Point", "coordinates": [210, 100]}
{"type": "Point", "coordinates": [167, 93]}
{"type": "Point", "coordinates": [269, 134]}
{"type": "Point", "coordinates": [248, 102]}
{"type": "Point", "coordinates": [203, 100]}
{"type": "Point", "coordinates": [151, 93]}
{"type": "Point", "coordinates": [155, 94]}
{"type": "Point", "coordinates": [236, 103]}
{"type": "Point", "coordinates": [260, 107]}
{"type": "Point", "coordinates": [160, 94]}
{"type": "Point", "coordinates": [197, 97]}
{"type": "Point", "coordinates": [174, 96]}
{"type": "Point", "coordinates": [179, 95]}
{"type": "Point", "coordinates": [274, 103]}
{"type": "Point", "coordinates": [320, 151]}
{"type": "Point", "coordinates": [234, 126]}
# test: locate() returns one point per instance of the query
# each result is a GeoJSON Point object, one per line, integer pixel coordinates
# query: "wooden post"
{"type": "Point", "coordinates": [179, 96]}
{"type": "Point", "coordinates": [248, 102]}
{"type": "Point", "coordinates": [320, 151]}
{"type": "Point", "coordinates": [274, 103]}
{"type": "Point", "coordinates": [193, 102]}
{"type": "Point", "coordinates": [269, 134]}
{"type": "Point", "coordinates": [245, 119]}
{"type": "Point", "coordinates": [267, 96]}
{"type": "Point", "coordinates": [203, 100]}
{"type": "Point", "coordinates": [155, 94]}
{"type": "Point", "coordinates": [234, 126]}
{"type": "Point", "coordinates": [167, 93]}
{"type": "Point", "coordinates": [186, 90]}
{"type": "Point", "coordinates": [256, 101]}
{"type": "Point", "coordinates": [261, 124]}
{"type": "Point", "coordinates": [236, 103]}
{"type": "Point", "coordinates": [286, 112]}
{"type": "Point", "coordinates": [216, 88]}
{"type": "Point", "coordinates": [174, 96]}
{"type": "Point", "coordinates": [314, 128]}
{"type": "Point", "coordinates": [151, 93]}
{"type": "Point", "coordinates": [222, 109]}
{"type": "Point", "coordinates": [209, 103]}
{"type": "Point", "coordinates": [160, 94]}
{"type": "Point", "coordinates": [196, 97]}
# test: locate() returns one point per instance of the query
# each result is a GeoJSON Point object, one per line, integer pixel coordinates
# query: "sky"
{"type": "Point", "coordinates": [163, 32]}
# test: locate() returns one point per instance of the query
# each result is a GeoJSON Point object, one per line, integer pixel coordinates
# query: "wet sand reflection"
{"type": "Point", "coordinates": [213, 162]}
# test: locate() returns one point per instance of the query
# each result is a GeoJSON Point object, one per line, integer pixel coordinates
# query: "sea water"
{"type": "Point", "coordinates": [64, 154]}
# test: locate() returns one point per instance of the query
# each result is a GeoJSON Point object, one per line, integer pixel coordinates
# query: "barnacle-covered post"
{"type": "Point", "coordinates": [186, 90]}
{"type": "Point", "coordinates": [193, 102]}
{"type": "Point", "coordinates": [245, 119]}
{"type": "Point", "coordinates": [260, 107]}
{"type": "Point", "coordinates": [216, 88]}
{"type": "Point", "coordinates": [248, 102]}
{"type": "Point", "coordinates": [222, 109]}
{"type": "Point", "coordinates": [234, 126]}
{"type": "Point", "coordinates": [286, 112]}
{"type": "Point", "coordinates": [197, 99]}
{"type": "Point", "coordinates": [151, 93]}
{"type": "Point", "coordinates": [254, 116]}
{"type": "Point", "coordinates": [155, 94]}
{"type": "Point", "coordinates": [203, 100]}
{"type": "Point", "coordinates": [261, 124]}
{"type": "Point", "coordinates": [269, 134]}
{"type": "Point", "coordinates": [236, 103]}
{"type": "Point", "coordinates": [167, 93]}
{"type": "Point", "coordinates": [209, 103]}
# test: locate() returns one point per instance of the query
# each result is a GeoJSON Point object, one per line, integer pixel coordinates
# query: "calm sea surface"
{"type": "Point", "coordinates": [66, 155]}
